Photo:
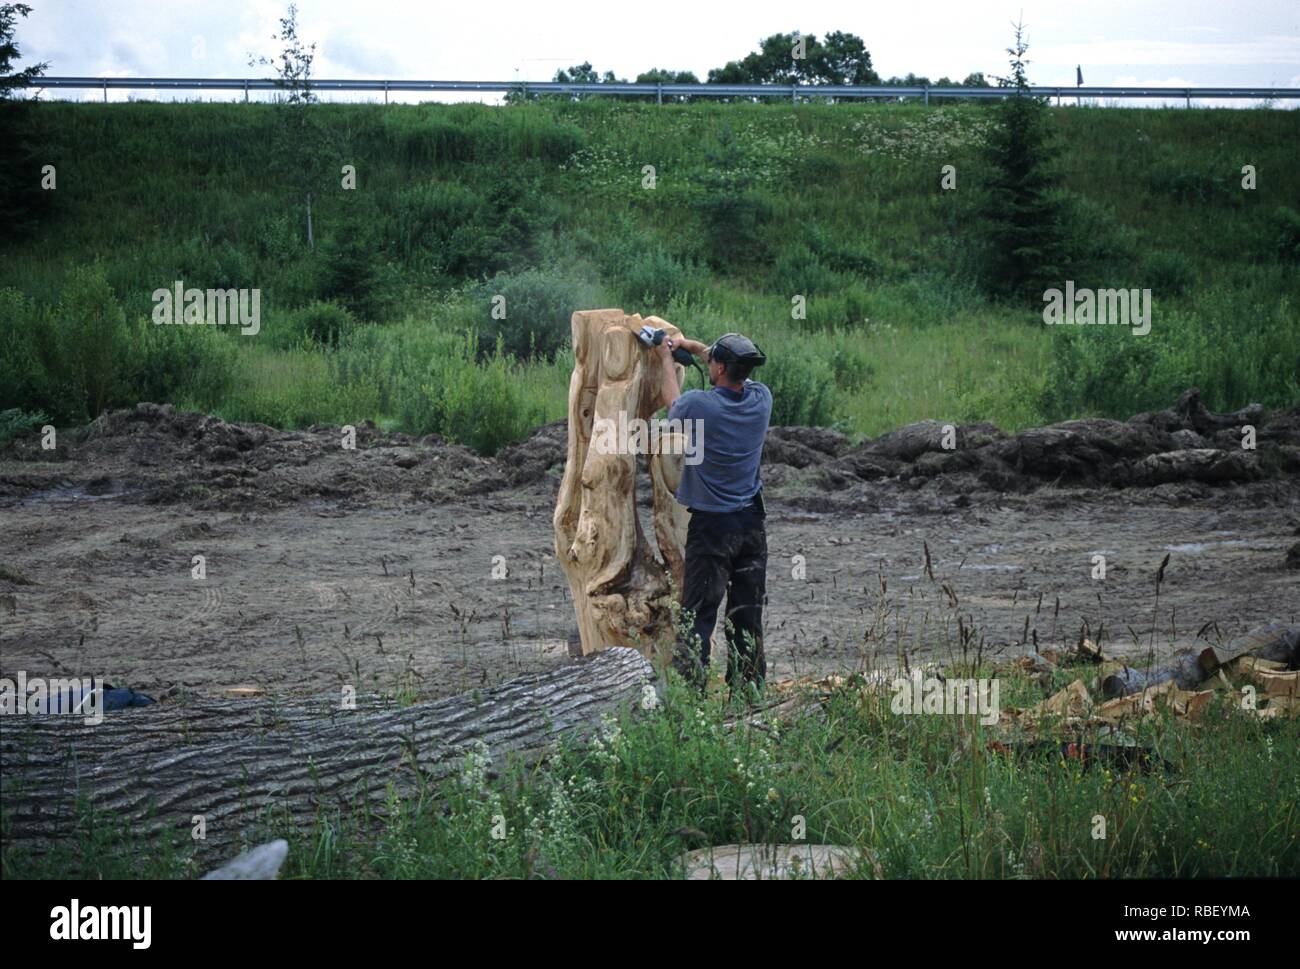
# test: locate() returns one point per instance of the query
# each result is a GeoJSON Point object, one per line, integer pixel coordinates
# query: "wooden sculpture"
{"type": "Point", "coordinates": [622, 591]}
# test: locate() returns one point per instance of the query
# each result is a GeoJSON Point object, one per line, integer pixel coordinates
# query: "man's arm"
{"type": "Point", "coordinates": [669, 388]}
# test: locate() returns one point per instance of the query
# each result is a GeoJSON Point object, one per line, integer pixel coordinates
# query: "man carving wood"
{"type": "Point", "coordinates": [726, 543]}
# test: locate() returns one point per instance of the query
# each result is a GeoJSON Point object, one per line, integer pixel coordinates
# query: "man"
{"type": "Point", "coordinates": [726, 544]}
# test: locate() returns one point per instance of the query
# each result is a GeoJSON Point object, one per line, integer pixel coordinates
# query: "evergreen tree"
{"type": "Point", "coordinates": [1022, 212]}
{"type": "Point", "coordinates": [22, 199]}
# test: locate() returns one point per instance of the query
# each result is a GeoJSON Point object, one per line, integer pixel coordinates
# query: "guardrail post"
{"type": "Point", "coordinates": [106, 92]}
{"type": "Point", "coordinates": [245, 90]}
{"type": "Point", "coordinates": [385, 92]}
{"type": "Point", "coordinates": [659, 92]}
{"type": "Point", "coordinates": [1189, 97]}
{"type": "Point", "coordinates": [926, 96]}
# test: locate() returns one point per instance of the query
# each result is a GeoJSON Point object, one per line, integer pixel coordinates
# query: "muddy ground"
{"type": "Point", "coordinates": [328, 566]}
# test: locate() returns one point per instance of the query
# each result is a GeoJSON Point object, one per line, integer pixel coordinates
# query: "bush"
{"type": "Point", "coordinates": [803, 389]}
{"type": "Point", "coordinates": [92, 344]}
{"type": "Point", "coordinates": [799, 272]}
{"type": "Point", "coordinates": [538, 307]}
{"type": "Point", "coordinates": [15, 423]}
{"type": "Point", "coordinates": [28, 355]}
{"type": "Point", "coordinates": [322, 323]}
{"type": "Point", "coordinates": [1167, 273]}
{"type": "Point", "coordinates": [843, 257]}
{"type": "Point", "coordinates": [1286, 234]}
{"type": "Point", "coordinates": [205, 265]}
{"type": "Point", "coordinates": [1238, 350]}
{"type": "Point", "coordinates": [168, 363]}
{"type": "Point", "coordinates": [480, 405]}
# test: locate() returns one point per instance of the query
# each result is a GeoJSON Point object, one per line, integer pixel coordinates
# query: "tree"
{"type": "Point", "coordinates": [11, 80]}
{"type": "Point", "coordinates": [300, 144]}
{"type": "Point", "coordinates": [657, 75]}
{"type": "Point", "coordinates": [841, 59]}
{"type": "Point", "coordinates": [22, 198]}
{"type": "Point", "coordinates": [1022, 213]}
{"type": "Point", "coordinates": [582, 73]}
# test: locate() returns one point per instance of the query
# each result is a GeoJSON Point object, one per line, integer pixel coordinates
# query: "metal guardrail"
{"type": "Point", "coordinates": [658, 91]}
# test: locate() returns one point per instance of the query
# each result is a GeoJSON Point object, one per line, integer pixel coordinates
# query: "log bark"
{"type": "Point", "coordinates": [623, 593]}
{"type": "Point", "coordinates": [1275, 641]}
{"type": "Point", "coordinates": [235, 761]}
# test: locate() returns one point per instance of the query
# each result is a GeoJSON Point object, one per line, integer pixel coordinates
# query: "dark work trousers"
{"type": "Point", "coordinates": [726, 553]}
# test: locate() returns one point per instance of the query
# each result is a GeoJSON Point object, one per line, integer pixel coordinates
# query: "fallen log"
{"type": "Point", "coordinates": [1276, 641]}
{"type": "Point", "coordinates": [233, 762]}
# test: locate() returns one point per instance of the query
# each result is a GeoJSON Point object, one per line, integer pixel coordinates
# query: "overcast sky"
{"type": "Point", "coordinates": [1187, 42]}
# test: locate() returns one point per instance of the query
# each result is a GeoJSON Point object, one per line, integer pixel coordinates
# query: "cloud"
{"type": "Point", "coordinates": [352, 56]}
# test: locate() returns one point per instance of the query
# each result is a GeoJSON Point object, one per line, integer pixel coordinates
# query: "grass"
{"type": "Point", "coordinates": [547, 203]}
{"type": "Point", "coordinates": [921, 796]}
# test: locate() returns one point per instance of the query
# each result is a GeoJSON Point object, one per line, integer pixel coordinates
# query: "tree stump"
{"type": "Point", "coordinates": [623, 592]}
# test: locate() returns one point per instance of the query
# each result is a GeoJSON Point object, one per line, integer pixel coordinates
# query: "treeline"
{"type": "Point", "coordinates": [785, 58]}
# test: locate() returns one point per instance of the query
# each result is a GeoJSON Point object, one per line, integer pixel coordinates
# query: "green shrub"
{"type": "Point", "coordinates": [640, 268]}
{"type": "Point", "coordinates": [798, 271]}
{"type": "Point", "coordinates": [850, 257]}
{"type": "Point", "coordinates": [479, 404]}
{"type": "Point", "coordinates": [803, 388]}
{"type": "Point", "coordinates": [1238, 349]}
{"type": "Point", "coordinates": [354, 263]}
{"type": "Point", "coordinates": [168, 363]}
{"type": "Point", "coordinates": [28, 355]}
{"type": "Point", "coordinates": [92, 343]}
{"type": "Point", "coordinates": [1167, 273]}
{"type": "Point", "coordinates": [538, 307]}
{"type": "Point", "coordinates": [1286, 234]}
{"type": "Point", "coordinates": [15, 423]}
{"type": "Point", "coordinates": [323, 323]}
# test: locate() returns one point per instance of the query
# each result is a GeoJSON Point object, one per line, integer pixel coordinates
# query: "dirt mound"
{"type": "Point", "coordinates": [155, 454]}
{"type": "Point", "coordinates": [546, 449]}
{"type": "Point", "coordinates": [1183, 444]}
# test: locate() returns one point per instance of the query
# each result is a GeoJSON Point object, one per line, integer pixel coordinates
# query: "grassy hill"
{"type": "Point", "coordinates": [551, 205]}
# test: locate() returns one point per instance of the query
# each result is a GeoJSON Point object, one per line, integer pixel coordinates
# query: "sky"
{"type": "Point", "coordinates": [1210, 43]}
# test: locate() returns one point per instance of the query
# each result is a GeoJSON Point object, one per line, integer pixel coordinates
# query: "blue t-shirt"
{"type": "Point", "coordinates": [734, 428]}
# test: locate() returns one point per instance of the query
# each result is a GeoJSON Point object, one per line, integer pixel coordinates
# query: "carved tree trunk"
{"type": "Point", "coordinates": [232, 761]}
{"type": "Point", "coordinates": [623, 593]}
